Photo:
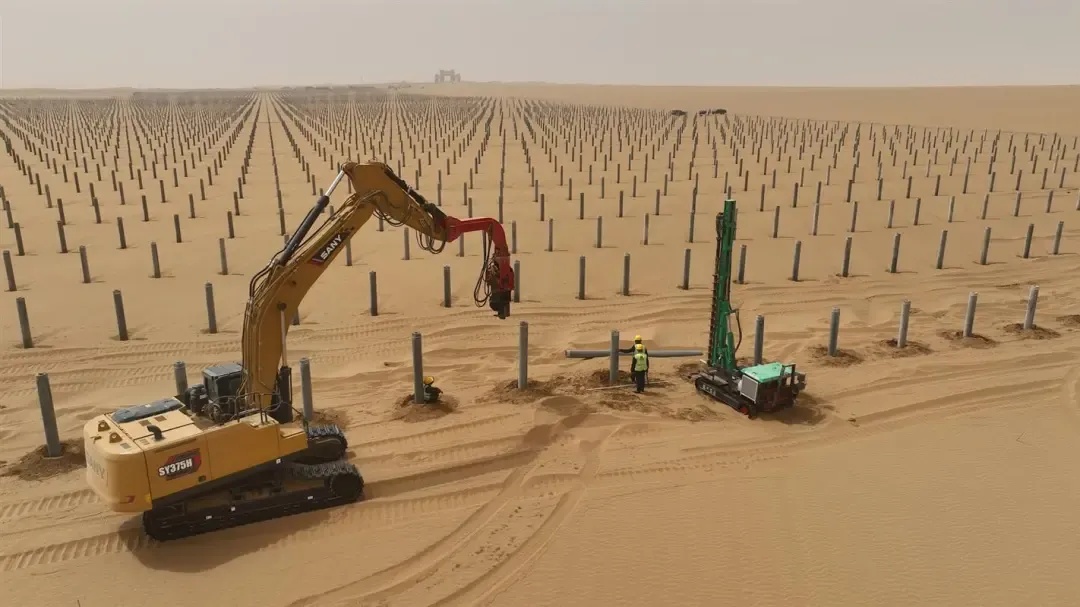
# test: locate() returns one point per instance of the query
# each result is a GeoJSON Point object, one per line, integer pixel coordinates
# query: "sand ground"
{"type": "Point", "coordinates": [942, 474]}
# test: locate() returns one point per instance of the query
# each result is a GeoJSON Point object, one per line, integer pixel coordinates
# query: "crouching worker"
{"type": "Point", "coordinates": [431, 393]}
{"type": "Point", "coordinates": [640, 368]}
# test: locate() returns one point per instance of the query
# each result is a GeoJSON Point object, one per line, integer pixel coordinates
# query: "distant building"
{"type": "Point", "coordinates": [447, 76]}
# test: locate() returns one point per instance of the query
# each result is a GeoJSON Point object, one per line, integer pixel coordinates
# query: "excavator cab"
{"type": "Point", "coordinates": [216, 397]}
{"type": "Point", "coordinates": [220, 384]}
{"type": "Point", "coordinates": [223, 381]}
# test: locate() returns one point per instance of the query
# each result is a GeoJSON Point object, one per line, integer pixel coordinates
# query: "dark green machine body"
{"type": "Point", "coordinates": [749, 390]}
{"type": "Point", "coordinates": [722, 344]}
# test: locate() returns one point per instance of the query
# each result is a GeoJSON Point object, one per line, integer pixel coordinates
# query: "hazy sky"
{"type": "Point", "coordinates": [221, 43]}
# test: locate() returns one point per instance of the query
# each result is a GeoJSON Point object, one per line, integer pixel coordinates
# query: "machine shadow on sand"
{"type": "Point", "coordinates": [204, 552]}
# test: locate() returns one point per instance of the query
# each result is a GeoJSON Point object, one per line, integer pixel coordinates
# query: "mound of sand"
{"type": "Point", "coordinates": [330, 417]}
{"type": "Point", "coordinates": [975, 340]}
{"type": "Point", "coordinates": [842, 358]}
{"type": "Point", "coordinates": [408, 410]}
{"type": "Point", "coordinates": [37, 466]}
{"type": "Point", "coordinates": [1035, 332]}
{"type": "Point", "coordinates": [888, 349]}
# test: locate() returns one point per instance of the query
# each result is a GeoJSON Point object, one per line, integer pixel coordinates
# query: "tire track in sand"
{"type": "Point", "coordinates": [382, 513]}
{"type": "Point", "coordinates": [454, 453]}
{"type": "Point", "coordinates": [381, 508]}
{"type": "Point", "coordinates": [1046, 367]}
{"type": "Point", "coordinates": [492, 582]}
{"type": "Point", "coordinates": [127, 540]}
{"type": "Point", "coordinates": [954, 370]}
{"type": "Point", "coordinates": [780, 447]}
{"type": "Point", "coordinates": [422, 439]}
{"type": "Point", "coordinates": [507, 571]}
{"type": "Point", "coordinates": [390, 580]}
{"type": "Point", "coordinates": [1071, 395]}
{"type": "Point", "coordinates": [49, 503]}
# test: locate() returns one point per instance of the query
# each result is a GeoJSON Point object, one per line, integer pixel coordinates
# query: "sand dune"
{"type": "Point", "coordinates": [937, 474]}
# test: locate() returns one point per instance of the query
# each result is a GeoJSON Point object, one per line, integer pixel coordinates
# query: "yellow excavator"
{"type": "Point", "coordinates": [232, 450]}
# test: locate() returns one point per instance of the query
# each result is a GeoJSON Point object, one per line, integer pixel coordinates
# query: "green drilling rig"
{"type": "Point", "coordinates": [749, 390]}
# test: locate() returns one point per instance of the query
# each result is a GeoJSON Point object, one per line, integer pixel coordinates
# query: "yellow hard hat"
{"type": "Point", "coordinates": [639, 347]}
{"type": "Point", "coordinates": [637, 338]}
{"type": "Point", "coordinates": [428, 380]}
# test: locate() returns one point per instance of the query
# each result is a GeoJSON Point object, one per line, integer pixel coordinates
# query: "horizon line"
{"type": "Point", "coordinates": [6, 89]}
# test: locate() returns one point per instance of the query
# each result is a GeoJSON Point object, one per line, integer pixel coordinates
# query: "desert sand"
{"type": "Point", "coordinates": [940, 474]}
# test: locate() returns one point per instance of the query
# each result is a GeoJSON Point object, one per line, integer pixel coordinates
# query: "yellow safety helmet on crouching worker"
{"type": "Point", "coordinates": [639, 348]}
{"type": "Point", "coordinates": [428, 380]}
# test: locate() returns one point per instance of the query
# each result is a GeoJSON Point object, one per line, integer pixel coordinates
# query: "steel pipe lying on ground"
{"type": "Point", "coordinates": [652, 353]}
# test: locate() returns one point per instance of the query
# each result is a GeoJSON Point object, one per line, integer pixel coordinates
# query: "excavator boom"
{"type": "Point", "coordinates": [276, 291]}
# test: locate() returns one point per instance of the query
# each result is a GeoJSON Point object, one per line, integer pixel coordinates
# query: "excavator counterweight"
{"type": "Point", "coordinates": [232, 450]}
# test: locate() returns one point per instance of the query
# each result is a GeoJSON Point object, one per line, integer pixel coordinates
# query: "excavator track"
{"type": "Point", "coordinates": [325, 444]}
{"type": "Point", "coordinates": [326, 484]}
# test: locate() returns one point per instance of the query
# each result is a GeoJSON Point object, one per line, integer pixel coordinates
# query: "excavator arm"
{"type": "Point", "coordinates": [277, 290]}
